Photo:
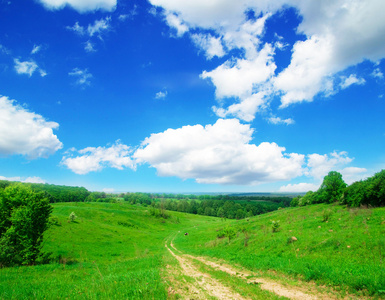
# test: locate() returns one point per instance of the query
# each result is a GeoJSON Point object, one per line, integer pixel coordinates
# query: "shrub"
{"type": "Point", "coordinates": [72, 217]}
{"type": "Point", "coordinates": [275, 226]}
{"type": "Point", "coordinates": [326, 214]}
{"type": "Point", "coordinates": [229, 232]}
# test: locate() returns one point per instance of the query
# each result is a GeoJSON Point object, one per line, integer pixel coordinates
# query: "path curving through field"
{"type": "Point", "coordinates": [204, 286]}
{"type": "Point", "coordinates": [209, 285]}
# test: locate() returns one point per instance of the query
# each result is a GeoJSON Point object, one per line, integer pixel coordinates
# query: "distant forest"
{"type": "Point", "coordinates": [223, 206]}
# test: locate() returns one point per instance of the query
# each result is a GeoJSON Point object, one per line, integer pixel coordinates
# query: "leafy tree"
{"type": "Point", "coordinates": [354, 195]}
{"type": "Point", "coordinates": [331, 188]}
{"type": "Point", "coordinates": [221, 213]}
{"type": "Point", "coordinates": [24, 216]}
{"type": "Point", "coordinates": [295, 201]}
{"type": "Point", "coordinates": [368, 192]}
{"type": "Point", "coordinates": [240, 214]}
{"type": "Point", "coordinates": [376, 189]}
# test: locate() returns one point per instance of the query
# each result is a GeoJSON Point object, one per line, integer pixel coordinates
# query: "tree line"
{"type": "Point", "coordinates": [223, 206]}
{"type": "Point", "coordinates": [368, 192]}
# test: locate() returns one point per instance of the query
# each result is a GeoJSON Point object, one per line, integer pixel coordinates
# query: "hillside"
{"type": "Point", "coordinates": [117, 251]}
{"type": "Point", "coordinates": [331, 245]}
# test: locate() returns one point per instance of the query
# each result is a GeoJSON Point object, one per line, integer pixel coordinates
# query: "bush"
{"type": "Point", "coordinates": [229, 232]}
{"type": "Point", "coordinates": [275, 226]}
{"type": "Point", "coordinates": [24, 217]}
{"type": "Point", "coordinates": [72, 217]}
{"type": "Point", "coordinates": [326, 214]}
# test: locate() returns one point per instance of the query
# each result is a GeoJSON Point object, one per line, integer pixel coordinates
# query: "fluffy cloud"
{"type": "Point", "coordinates": [337, 34]}
{"type": "Point", "coordinates": [307, 73]}
{"type": "Point", "coordinates": [214, 14]}
{"type": "Point", "coordinates": [320, 165]}
{"type": "Point", "coordinates": [93, 159]}
{"type": "Point", "coordinates": [245, 109]}
{"type": "Point", "coordinates": [211, 45]}
{"type": "Point", "coordinates": [26, 133]}
{"type": "Point", "coordinates": [33, 179]}
{"type": "Point", "coordinates": [219, 153]}
{"type": "Point", "coordinates": [81, 6]}
{"type": "Point", "coordinates": [352, 174]}
{"type": "Point", "coordinates": [175, 22]}
{"type": "Point", "coordinates": [246, 80]}
{"type": "Point", "coordinates": [83, 77]}
{"type": "Point", "coordinates": [298, 188]}
{"type": "Point", "coordinates": [28, 67]}
{"type": "Point", "coordinates": [239, 78]}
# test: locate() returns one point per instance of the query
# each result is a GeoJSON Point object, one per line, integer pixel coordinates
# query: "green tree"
{"type": "Point", "coordinates": [295, 201]}
{"type": "Point", "coordinates": [331, 188]}
{"type": "Point", "coordinates": [24, 216]}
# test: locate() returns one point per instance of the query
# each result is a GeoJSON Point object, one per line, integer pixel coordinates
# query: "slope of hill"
{"type": "Point", "coordinates": [331, 245]}
{"type": "Point", "coordinates": [117, 251]}
{"type": "Point", "coordinates": [111, 251]}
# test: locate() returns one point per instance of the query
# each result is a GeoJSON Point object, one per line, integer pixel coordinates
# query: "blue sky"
{"type": "Point", "coordinates": [191, 96]}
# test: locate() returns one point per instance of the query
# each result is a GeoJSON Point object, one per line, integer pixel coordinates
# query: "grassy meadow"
{"type": "Point", "coordinates": [111, 251]}
{"type": "Point", "coordinates": [116, 251]}
{"type": "Point", "coordinates": [333, 245]}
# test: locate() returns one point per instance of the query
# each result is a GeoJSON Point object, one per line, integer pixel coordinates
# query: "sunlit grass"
{"type": "Point", "coordinates": [347, 251]}
{"type": "Point", "coordinates": [111, 251]}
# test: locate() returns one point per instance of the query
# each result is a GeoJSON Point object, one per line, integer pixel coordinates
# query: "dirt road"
{"type": "Point", "coordinates": [201, 285]}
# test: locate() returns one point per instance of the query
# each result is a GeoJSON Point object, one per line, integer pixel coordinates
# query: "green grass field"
{"type": "Point", "coordinates": [346, 251]}
{"type": "Point", "coordinates": [116, 251]}
{"type": "Point", "coordinates": [111, 251]}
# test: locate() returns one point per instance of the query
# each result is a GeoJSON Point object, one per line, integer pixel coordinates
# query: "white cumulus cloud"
{"type": "Point", "coordinates": [24, 132]}
{"type": "Point", "coordinates": [81, 6]}
{"type": "Point", "coordinates": [239, 78]}
{"type": "Point", "coordinates": [175, 22]}
{"type": "Point", "coordinates": [352, 174]}
{"type": "Point", "coordinates": [320, 165]}
{"type": "Point", "coordinates": [335, 36]}
{"type": "Point", "coordinates": [93, 159]}
{"type": "Point", "coordinates": [211, 45]}
{"type": "Point", "coordinates": [298, 188]}
{"type": "Point", "coordinates": [220, 153]}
